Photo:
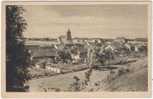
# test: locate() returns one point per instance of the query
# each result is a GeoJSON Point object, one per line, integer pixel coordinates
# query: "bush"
{"type": "Point", "coordinates": [122, 71]}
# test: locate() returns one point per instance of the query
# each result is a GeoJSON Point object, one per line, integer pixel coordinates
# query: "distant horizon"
{"type": "Point", "coordinates": [86, 37]}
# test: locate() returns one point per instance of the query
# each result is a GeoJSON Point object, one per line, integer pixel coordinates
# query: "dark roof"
{"type": "Point", "coordinates": [44, 53]}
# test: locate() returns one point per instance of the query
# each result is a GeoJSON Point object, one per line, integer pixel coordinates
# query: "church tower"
{"type": "Point", "coordinates": [69, 38]}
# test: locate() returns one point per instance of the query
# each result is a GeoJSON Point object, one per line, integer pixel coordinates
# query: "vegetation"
{"type": "Point", "coordinates": [17, 56]}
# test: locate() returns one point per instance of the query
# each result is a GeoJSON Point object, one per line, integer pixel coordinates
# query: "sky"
{"type": "Point", "coordinates": [103, 20]}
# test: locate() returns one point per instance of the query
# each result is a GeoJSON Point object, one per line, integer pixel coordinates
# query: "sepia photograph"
{"type": "Point", "coordinates": [76, 47]}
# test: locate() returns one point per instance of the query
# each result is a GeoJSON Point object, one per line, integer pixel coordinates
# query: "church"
{"type": "Point", "coordinates": [66, 39]}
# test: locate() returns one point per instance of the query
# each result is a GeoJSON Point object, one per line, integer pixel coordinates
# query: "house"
{"type": "Point", "coordinates": [44, 53]}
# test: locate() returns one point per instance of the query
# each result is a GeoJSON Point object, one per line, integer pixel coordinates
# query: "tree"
{"type": "Point", "coordinates": [17, 56]}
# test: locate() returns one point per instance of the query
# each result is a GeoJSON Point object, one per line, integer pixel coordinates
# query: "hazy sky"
{"type": "Point", "coordinates": [86, 21]}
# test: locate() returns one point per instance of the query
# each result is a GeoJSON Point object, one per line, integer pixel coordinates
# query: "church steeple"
{"type": "Point", "coordinates": [69, 35]}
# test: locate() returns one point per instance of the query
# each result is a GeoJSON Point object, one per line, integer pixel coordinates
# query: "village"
{"type": "Point", "coordinates": [76, 49]}
{"type": "Point", "coordinates": [66, 55]}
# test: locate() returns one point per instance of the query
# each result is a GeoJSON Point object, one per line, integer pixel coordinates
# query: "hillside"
{"type": "Point", "coordinates": [136, 80]}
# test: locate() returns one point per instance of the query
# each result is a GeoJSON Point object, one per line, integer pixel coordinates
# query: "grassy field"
{"type": "Point", "coordinates": [135, 79]}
